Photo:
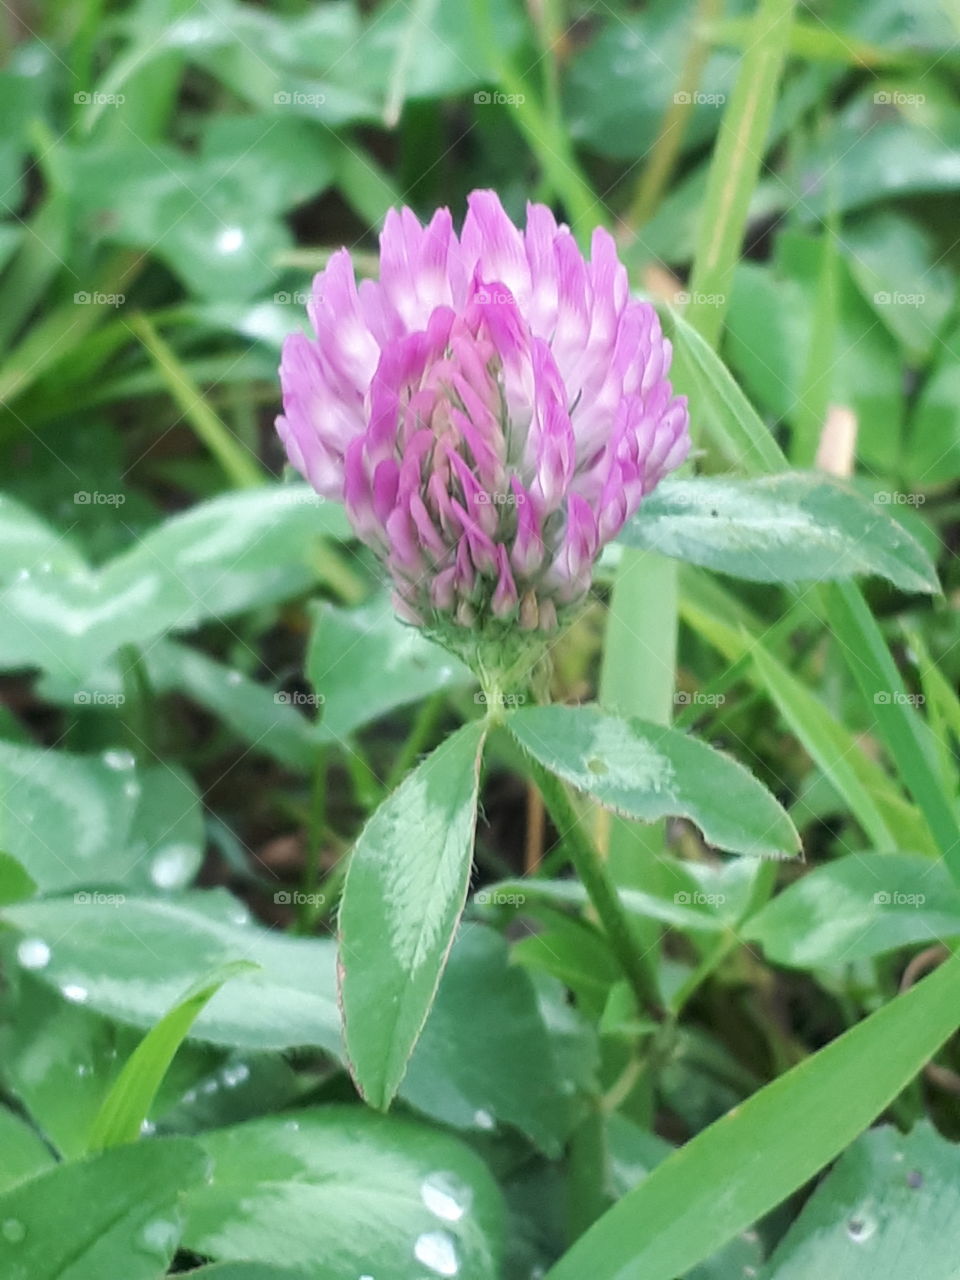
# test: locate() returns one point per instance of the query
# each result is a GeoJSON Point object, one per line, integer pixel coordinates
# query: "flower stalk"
{"type": "Point", "coordinates": [602, 892]}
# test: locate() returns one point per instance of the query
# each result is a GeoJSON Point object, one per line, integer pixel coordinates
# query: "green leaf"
{"type": "Point", "coordinates": [88, 820]}
{"type": "Point", "coordinates": [128, 1104]}
{"type": "Point", "coordinates": [365, 662]}
{"type": "Point", "coordinates": [15, 882]}
{"type": "Point", "coordinates": [25, 1154]}
{"type": "Point", "coordinates": [648, 772]}
{"type": "Point", "coordinates": [229, 554]}
{"type": "Point", "coordinates": [30, 545]}
{"type": "Point", "coordinates": [769, 1145]}
{"type": "Point", "coordinates": [116, 1214]}
{"type": "Point", "coordinates": [874, 154]}
{"type": "Point", "coordinates": [618, 90]}
{"type": "Point", "coordinates": [436, 48]}
{"type": "Point", "coordinates": [675, 911]}
{"type": "Point", "coordinates": [59, 1060]}
{"type": "Point", "coordinates": [132, 960]}
{"type": "Point", "coordinates": [309, 64]}
{"type": "Point", "coordinates": [268, 720]}
{"type": "Point", "coordinates": [570, 950]}
{"type": "Point", "coordinates": [858, 907]}
{"type": "Point", "coordinates": [889, 1207]}
{"type": "Point", "coordinates": [790, 527]}
{"type": "Point", "coordinates": [404, 893]}
{"type": "Point", "coordinates": [775, 309]}
{"type": "Point", "coordinates": [888, 255]}
{"type": "Point", "coordinates": [219, 558]}
{"type": "Point", "coordinates": [67, 818]}
{"type": "Point", "coordinates": [284, 161]}
{"type": "Point", "coordinates": [257, 1271]}
{"type": "Point", "coordinates": [166, 839]}
{"type": "Point", "coordinates": [485, 1055]}
{"type": "Point", "coordinates": [358, 1193]}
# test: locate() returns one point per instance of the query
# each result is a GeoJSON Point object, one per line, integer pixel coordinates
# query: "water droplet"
{"type": "Point", "coordinates": [230, 240]}
{"type": "Point", "coordinates": [861, 1228]}
{"type": "Point", "coordinates": [131, 789]}
{"type": "Point", "coordinates": [13, 1230]}
{"type": "Point", "coordinates": [292, 1126]}
{"type": "Point", "coordinates": [210, 1086]}
{"type": "Point", "coordinates": [84, 1068]}
{"type": "Point", "coordinates": [915, 1179]}
{"type": "Point", "coordinates": [234, 1075]}
{"type": "Point", "coordinates": [446, 1196]}
{"type": "Point", "coordinates": [234, 677]}
{"type": "Point", "coordinates": [147, 1128]}
{"type": "Point", "coordinates": [596, 765]}
{"type": "Point", "coordinates": [484, 1120]}
{"type": "Point", "coordinates": [74, 992]}
{"type": "Point", "coordinates": [23, 575]}
{"type": "Point", "coordinates": [160, 1236]}
{"type": "Point", "coordinates": [438, 1251]}
{"type": "Point", "coordinates": [190, 1096]}
{"type": "Point", "coordinates": [33, 953]}
{"type": "Point", "coordinates": [171, 868]}
{"type": "Point", "coordinates": [116, 759]}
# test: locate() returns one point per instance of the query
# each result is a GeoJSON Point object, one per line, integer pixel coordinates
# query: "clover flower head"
{"type": "Point", "coordinates": [491, 411]}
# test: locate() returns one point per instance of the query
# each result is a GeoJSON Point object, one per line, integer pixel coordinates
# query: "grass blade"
{"type": "Point", "coordinates": [743, 1165]}
{"type": "Point", "coordinates": [128, 1103]}
{"type": "Point", "coordinates": [241, 468]}
{"type": "Point", "coordinates": [735, 166]}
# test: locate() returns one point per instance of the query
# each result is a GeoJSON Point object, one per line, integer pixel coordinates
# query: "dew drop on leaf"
{"type": "Point", "coordinates": [446, 1196]}
{"type": "Point", "coordinates": [438, 1251]}
{"type": "Point", "coordinates": [116, 759]}
{"type": "Point", "coordinates": [159, 1236]}
{"type": "Point", "coordinates": [235, 1074]}
{"type": "Point", "coordinates": [171, 869]}
{"type": "Point", "coordinates": [861, 1228]}
{"type": "Point", "coordinates": [33, 953]}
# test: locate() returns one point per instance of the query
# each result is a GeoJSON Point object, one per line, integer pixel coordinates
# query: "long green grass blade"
{"type": "Point", "coordinates": [735, 166]}
{"type": "Point", "coordinates": [746, 1163]}
{"type": "Point", "coordinates": [238, 463]}
{"type": "Point", "coordinates": [866, 653]}
{"type": "Point", "coordinates": [128, 1103]}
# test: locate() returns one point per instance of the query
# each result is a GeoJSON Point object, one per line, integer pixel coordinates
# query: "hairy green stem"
{"type": "Point", "coordinates": [595, 878]}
